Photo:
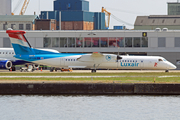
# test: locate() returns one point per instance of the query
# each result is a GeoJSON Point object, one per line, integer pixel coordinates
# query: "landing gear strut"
{"type": "Point", "coordinates": [93, 71]}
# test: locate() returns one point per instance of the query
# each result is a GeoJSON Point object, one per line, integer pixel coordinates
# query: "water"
{"type": "Point", "coordinates": [89, 107]}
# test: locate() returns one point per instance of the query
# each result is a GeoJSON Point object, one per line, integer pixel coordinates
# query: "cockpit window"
{"type": "Point", "coordinates": [160, 60]}
{"type": "Point", "coordinates": [164, 59]}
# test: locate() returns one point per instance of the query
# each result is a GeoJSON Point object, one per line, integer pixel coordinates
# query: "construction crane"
{"type": "Point", "coordinates": [24, 7]}
{"type": "Point", "coordinates": [108, 14]}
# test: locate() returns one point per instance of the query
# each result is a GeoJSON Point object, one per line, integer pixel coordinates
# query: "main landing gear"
{"type": "Point", "coordinates": [93, 71]}
{"type": "Point", "coordinates": [166, 70]}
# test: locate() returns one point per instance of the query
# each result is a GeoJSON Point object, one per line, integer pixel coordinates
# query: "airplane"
{"type": "Point", "coordinates": [7, 61]}
{"type": "Point", "coordinates": [24, 51]}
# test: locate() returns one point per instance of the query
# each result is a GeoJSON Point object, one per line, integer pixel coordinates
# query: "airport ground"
{"type": "Point", "coordinates": [83, 82]}
{"type": "Point", "coordinates": [85, 76]}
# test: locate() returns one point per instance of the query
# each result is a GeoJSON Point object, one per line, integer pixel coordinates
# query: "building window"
{"type": "Point", "coordinates": [21, 27]}
{"type": "Point", "coordinates": [13, 26]}
{"type": "Point", "coordinates": [120, 41]}
{"type": "Point", "coordinates": [87, 42]}
{"type": "Point", "coordinates": [163, 21]}
{"type": "Point", "coordinates": [28, 26]}
{"type": "Point", "coordinates": [177, 42]}
{"type": "Point", "coordinates": [161, 42]}
{"type": "Point", "coordinates": [137, 42]}
{"type": "Point", "coordinates": [47, 42]}
{"type": "Point", "coordinates": [55, 42]}
{"type": "Point", "coordinates": [112, 42]}
{"type": "Point", "coordinates": [128, 42]}
{"type": "Point", "coordinates": [79, 42]}
{"type": "Point", "coordinates": [104, 42]}
{"type": "Point", "coordinates": [144, 42]}
{"type": "Point", "coordinates": [4, 26]}
{"type": "Point", "coordinates": [63, 42]}
{"type": "Point", "coordinates": [71, 42]}
{"type": "Point", "coordinates": [95, 42]}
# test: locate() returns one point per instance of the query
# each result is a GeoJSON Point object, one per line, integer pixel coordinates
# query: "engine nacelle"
{"type": "Point", "coordinates": [5, 64]}
{"type": "Point", "coordinates": [35, 66]}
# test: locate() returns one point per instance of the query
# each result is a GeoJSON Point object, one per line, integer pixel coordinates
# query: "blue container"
{"type": "Point", "coordinates": [76, 5]}
{"type": "Point", "coordinates": [119, 27]}
{"type": "Point", "coordinates": [99, 21]}
{"type": "Point", "coordinates": [77, 16]}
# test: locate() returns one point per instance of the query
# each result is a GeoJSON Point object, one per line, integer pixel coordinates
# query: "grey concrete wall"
{"type": "Point", "coordinates": [89, 88]}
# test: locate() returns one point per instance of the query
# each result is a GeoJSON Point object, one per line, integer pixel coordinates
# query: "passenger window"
{"type": "Point", "coordinates": [160, 60]}
{"type": "Point", "coordinates": [66, 59]}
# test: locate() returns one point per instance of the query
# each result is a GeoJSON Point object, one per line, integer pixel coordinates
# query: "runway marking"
{"type": "Point", "coordinates": [168, 76]}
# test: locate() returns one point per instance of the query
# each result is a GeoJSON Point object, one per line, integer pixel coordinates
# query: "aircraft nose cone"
{"type": "Point", "coordinates": [171, 66]}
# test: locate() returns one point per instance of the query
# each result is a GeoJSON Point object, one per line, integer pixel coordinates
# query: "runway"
{"type": "Point", "coordinates": [84, 76]}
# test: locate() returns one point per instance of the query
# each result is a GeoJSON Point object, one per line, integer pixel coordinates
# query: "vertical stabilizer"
{"type": "Point", "coordinates": [19, 42]}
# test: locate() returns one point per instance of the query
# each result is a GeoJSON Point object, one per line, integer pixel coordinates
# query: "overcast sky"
{"type": "Point", "coordinates": [125, 10]}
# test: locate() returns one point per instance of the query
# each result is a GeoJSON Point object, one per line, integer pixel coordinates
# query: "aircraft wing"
{"type": "Point", "coordinates": [97, 58]}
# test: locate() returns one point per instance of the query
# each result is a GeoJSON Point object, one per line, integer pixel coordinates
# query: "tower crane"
{"type": "Point", "coordinates": [24, 7]}
{"type": "Point", "coordinates": [108, 14]}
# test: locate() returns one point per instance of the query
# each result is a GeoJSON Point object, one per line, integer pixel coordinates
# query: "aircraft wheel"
{"type": "Point", "coordinates": [13, 69]}
{"type": "Point", "coordinates": [166, 70]}
{"type": "Point", "coordinates": [93, 71]}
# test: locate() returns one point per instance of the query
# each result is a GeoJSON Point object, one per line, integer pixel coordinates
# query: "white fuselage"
{"type": "Point", "coordinates": [127, 62]}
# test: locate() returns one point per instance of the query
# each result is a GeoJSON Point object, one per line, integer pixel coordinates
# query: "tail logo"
{"type": "Point", "coordinates": [155, 64]}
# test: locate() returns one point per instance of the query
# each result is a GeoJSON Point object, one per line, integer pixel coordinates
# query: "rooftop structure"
{"type": "Point", "coordinates": [75, 15]}
{"type": "Point", "coordinates": [172, 22]}
{"type": "Point", "coordinates": [173, 8]}
{"type": "Point", "coordinates": [18, 22]}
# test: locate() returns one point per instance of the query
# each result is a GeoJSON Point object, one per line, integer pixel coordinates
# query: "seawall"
{"type": "Point", "coordinates": [88, 89]}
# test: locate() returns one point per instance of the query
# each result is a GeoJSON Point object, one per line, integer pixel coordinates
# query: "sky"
{"type": "Point", "coordinates": [124, 12]}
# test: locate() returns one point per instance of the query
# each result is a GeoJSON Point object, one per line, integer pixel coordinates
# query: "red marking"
{"type": "Point", "coordinates": [18, 34]}
{"type": "Point", "coordinates": [95, 52]}
{"type": "Point", "coordinates": [155, 64]}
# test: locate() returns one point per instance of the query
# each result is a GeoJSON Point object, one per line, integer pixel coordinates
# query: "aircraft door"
{"type": "Point", "coordinates": [142, 64]}
{"type": "Point", "coordinates": [62, 61]}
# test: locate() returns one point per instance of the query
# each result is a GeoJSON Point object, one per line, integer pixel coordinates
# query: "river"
{"type": "Point", "coordinates": [34, 107]}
